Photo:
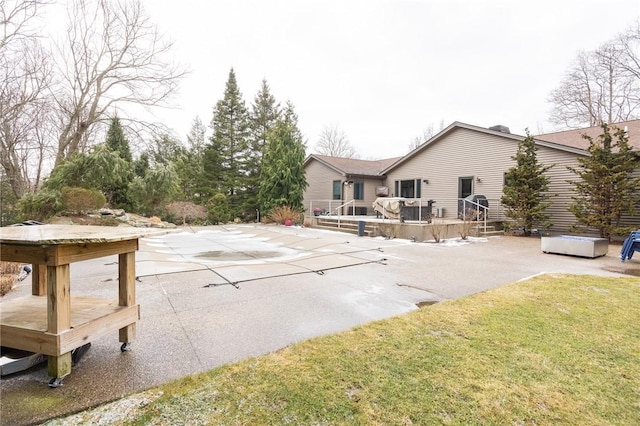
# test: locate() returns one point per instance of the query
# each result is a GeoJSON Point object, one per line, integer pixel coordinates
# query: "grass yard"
{"type": "Point", "coordinates": [556, 349]}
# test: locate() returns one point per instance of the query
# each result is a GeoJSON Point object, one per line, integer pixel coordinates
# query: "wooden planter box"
{"type": "Point", "coordinates": [575, 246]}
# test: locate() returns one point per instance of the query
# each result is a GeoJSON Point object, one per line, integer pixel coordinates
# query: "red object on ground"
{"type": "Point", "coordinates": [288, 222]}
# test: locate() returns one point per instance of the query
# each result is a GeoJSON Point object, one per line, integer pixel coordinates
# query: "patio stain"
{"type": "Point", "coordinates": [238, 255]}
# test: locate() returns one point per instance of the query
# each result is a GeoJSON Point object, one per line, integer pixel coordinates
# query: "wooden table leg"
{"type": "Point", "coordinates": [59, 315]}
{"type": "Point", "coordinates": [127, 292]}
{"type": "Point", "coordinates": [39, 280]}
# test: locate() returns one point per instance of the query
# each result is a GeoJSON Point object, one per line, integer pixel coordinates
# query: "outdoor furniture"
{"type": "Point", "coordinates": [631, 244]}
{"type": "Point", "coordinates": [51, 321]}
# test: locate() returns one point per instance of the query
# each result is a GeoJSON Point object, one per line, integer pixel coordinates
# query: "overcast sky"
{"type": "Point", "coordinates": [383, 71]}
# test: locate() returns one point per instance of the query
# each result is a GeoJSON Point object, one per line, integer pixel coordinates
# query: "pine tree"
{"type": "Point", "coordinates": [265, 112]}
{"type": "Point", "coordinates": [606, 188]}
{"type": "Point", "coordinates": [264, 115]}
{"type": "Point", "coordinates": [117, 192]}
{"type": "Point", "coordinates": [116, 140]}
{"type": "Point", "coordinates": [190, 166]}
{"type": "Point", "coordinates": [226, 157]}
{"type": "Point", "coordinates": [524, 192]}
{"type": "Point", "coordinates": [282, 180]}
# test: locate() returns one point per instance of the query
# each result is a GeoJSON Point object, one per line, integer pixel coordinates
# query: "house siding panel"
{"type": "Point", "coordinates": [468, 153]}
{"type": "Point", "coordinates": [560, 189]}
{"type": "Point", "coordinates": [320, 190]}
{"type": "Point", "coordinates": [461, 153]}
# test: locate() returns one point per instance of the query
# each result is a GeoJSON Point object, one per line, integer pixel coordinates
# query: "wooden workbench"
{"type": "Point", "coordinates": [51, 321]}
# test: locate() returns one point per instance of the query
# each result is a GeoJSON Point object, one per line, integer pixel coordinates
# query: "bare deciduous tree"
{"type": "Point", "coordinates": [601, 86]}
{"type": "Point", "coordinates": [334, 142]}
{"type": "Point", "coordinates": [113, 56]}
{"type": "Point", "coordinates": [14, 19]}
{"type": "Point", "coordinates": [425, 136]}
{"type": "Point", "coordinates": [25, 74]}
{"type": "Point", "coordinates": [629, 45]}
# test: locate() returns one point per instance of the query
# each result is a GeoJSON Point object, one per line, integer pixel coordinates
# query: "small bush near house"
{"type": "Point", "coordinates": [438, 230]}
{"type": "Point", "coordinates": [82, 200]}
{"type": "Point", "coordinates": [281, 214]}
{"type": "Point", "coordinates": [466, 228]}
{"type": "Point", "coordinates": [8, 275]}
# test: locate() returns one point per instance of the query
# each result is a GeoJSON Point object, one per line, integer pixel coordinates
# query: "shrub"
{"type": "Point", "coordinates": [41, 205]}
{"type": "Point", "coordinates": [82, 200]}
{"type": "Point", "coordinates": [438, 230]}
{"type": "Point", "coordinates": [281, 214]}
{"type": "Point", "coordinates": [186, 211]}
{"type": "Point", "coordinates": [8, 275]}
{"type": "Point", "coordinates": [466, 228]}
{"type": "Point", "coordinates": [218, 209]}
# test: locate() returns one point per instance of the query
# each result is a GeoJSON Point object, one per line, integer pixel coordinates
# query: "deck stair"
{"type": "Point", "coordinates": [489, 231]}
{"type": "Point", "coordinates": [346, 225]}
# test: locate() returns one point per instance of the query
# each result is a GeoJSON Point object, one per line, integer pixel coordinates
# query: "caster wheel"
{"type": "Point", "coordinates": [55, 382]}
{"type": "Point", "coordinates": [125, 347]}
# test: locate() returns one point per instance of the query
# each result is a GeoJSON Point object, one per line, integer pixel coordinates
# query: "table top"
{"type": "Point", "coordinates": [73, 234]}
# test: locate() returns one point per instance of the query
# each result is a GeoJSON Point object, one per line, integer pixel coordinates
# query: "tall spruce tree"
{"type": "Point", "coordinates": [116, 140]}
{"type": "Point", "coordinates": [226, 156]}
{"type": "Point", "coordinates": [117, 193]}
{"type": "Point", "coordinates": [606, 188]}
{"type": "Point", "coordinates": [282, 179]}
{"type": "Point", "coordinates": [525, 190]}
{"type": "Point", "coordinates": [190, 167]}
{"type": "Point", "coordinates": [264, 115]}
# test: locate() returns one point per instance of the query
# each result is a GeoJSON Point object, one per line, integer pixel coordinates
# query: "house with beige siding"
{"type": "Point", "coordinates": [334, 181]}
{"type": "Point", "coordinates": [460, 160]}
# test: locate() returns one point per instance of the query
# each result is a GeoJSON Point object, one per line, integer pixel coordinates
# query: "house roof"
{"type": "Point", "coordinates": [568, 140]}
{"type": "Point", "coordinates": [352, 166]}
{"type": "Point", "coordinates": [574, 138]}
{"type": "Point", "coordinates": [459, 125]}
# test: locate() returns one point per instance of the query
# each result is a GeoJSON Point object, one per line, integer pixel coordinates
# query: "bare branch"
{"type": "Point", "coordinates": [15, 17]}
{"type": "Point", "coordinates": [601, 86]}
{"type": "Point", "coordinates": [117, 58]}
{"type": "Point", "coordinates": [334, 142]}
{"type": "Point", "coordinates": [25, 73]}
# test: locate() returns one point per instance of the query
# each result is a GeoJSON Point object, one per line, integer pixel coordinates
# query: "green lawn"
{"type": "Point", "coordinates": [553, 350]}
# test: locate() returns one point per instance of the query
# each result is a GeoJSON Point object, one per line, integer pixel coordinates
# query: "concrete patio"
{"type": "Point", "coordinates": [215, 295]}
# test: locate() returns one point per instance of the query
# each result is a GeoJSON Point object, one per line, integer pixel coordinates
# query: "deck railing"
{"type": "Point", "coordinates": [443, 208]}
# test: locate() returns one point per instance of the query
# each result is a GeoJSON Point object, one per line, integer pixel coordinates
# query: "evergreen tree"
{"type": "Point", "coordinates": [154, 189]}
{"type": "Point", "coordinates": [195, 138]}
{"type": "Point", "coordinates": [282, 179]}
{"type": "Point", "coordinates": [117, 193]}
{"type": "Point", "coordinates": [190, 165]}
{"type": "Point", "coordinates": [264, 115]}
{"type": "Point", "coordinates": [99, 169]}
{"type": "Point", "coordinates": [524, 192]}
{"type": "Point", "coordinates": [606, 187]}
{"type": "Point", "coordinates": [116, 141]}
{"type": "Point", "coordinates": [230, 141]}
{"type": "Point", "coordinates": [141, 165]}
{"type": "Point", "coordinates": [218, 209]}
{"type": "Point", "coordinates": [165, 150]}
{"type": "Point", "coordinates": [213, 171]}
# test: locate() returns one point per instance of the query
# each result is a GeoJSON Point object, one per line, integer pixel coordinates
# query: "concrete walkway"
{"type": "Point", "coordinates": [215, 295]}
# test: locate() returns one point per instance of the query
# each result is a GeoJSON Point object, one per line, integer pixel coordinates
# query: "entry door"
{"type": "Point", "coordinates": [465, 188]}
